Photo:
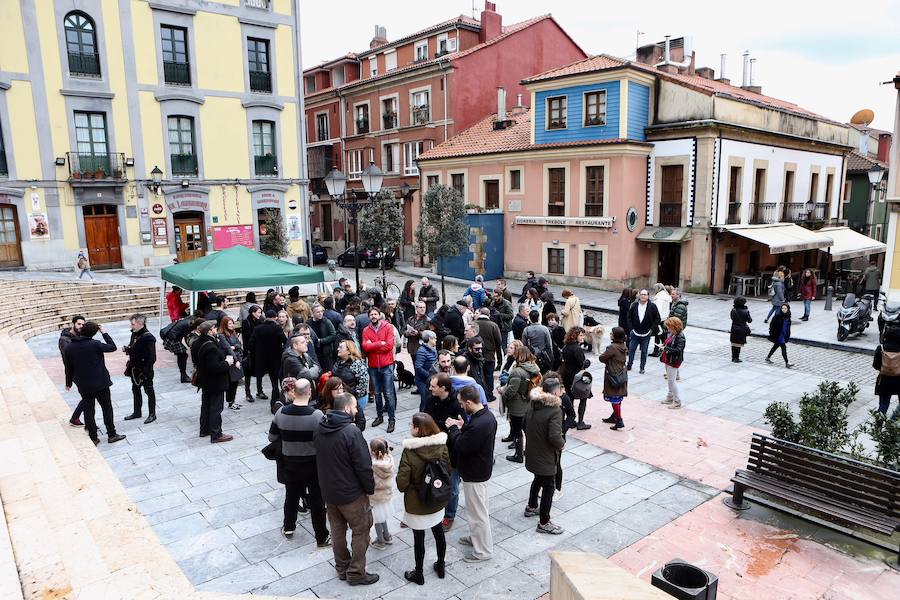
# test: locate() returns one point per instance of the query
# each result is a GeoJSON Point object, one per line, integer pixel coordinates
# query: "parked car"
{"type": "Point", "coordinates": [367, 257]}
{"type": "Point", "coordinates": [320, 254]}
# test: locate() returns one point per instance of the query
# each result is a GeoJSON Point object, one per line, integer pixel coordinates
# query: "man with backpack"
{"type": "Point", "coordinates": [472, 446]}
{"type": "Point", "coordinates": [536, 338]}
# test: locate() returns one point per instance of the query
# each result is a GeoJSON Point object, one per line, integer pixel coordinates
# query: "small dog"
{"type": "Point", "coordinates": [404, 377]}
{"type": "Point", "coordinates": [593, 334]}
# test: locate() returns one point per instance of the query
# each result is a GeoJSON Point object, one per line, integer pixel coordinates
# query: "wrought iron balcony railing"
{"type": "Point", "coordinates": [96, 166]}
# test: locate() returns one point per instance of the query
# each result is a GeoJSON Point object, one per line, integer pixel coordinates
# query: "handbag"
{"type": "Point", "coordinates": [619, 379]}
{"type": "Point", "coordinates": [272, 450]}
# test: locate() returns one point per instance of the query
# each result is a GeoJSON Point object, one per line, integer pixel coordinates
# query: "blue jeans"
{"type": "Point", "coordinates": [362, 402]}
{"type": "Point", "coordinates": [807, 306]}
{"type": "Point", "coordinates": [423, 395]}
{"type": "Point", "coordinates": [453, 504]}
{"type": "Point", "coordinates": [383, 382]}
{"type": "Point", "coordinates": [633, 342]}
{"type": "Point", "coordinates": [772, 311]}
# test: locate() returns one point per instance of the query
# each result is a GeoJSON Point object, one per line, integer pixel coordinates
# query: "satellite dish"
{"type": "Point", "coordinates": [863, 117]}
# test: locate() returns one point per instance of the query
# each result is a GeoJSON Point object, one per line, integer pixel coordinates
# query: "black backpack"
{"type": "Point", "coordinates": [436, 487]}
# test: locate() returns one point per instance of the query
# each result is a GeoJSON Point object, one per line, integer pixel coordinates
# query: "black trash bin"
{"type": "Point", "coordinates": [685, 581]}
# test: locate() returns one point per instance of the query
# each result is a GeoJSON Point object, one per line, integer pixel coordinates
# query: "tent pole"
{"type": "Point", "coordinates": [193, 302]}
{"type": "Point", "coordinates": [162, 298]}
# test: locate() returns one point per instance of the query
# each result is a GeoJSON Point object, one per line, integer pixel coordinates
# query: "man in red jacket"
{"type": "Point", "coordinates": [378, 341]}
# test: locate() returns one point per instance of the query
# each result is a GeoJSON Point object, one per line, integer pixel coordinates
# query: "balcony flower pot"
{"type": "Point", "coordinates": [99, 174]}
{"type": "Point", "coordinates": [76, 174]}
{"type": "Point", "coordinates": [117, 173]}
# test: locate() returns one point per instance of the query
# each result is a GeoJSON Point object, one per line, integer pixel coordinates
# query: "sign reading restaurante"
{"type": "Point", "coordinates": [567, 221]}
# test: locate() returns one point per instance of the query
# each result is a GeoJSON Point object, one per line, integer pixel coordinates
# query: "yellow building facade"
{"type": "Point", "coordinates": [147, 131]}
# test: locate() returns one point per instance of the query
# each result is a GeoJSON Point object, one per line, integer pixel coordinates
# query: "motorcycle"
{"type": "Point", "coordinates": [889, 316]}
{"type": "Point", "coordinates": [854, 316]}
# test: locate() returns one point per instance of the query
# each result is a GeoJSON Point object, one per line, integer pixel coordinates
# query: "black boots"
{"type": "Point", "coordinates": [619, 425]}
{"type": "Point", "coordinates": [581, 426]}
{"type": "Point", "coordinates": [518, 456]}
{"type": "Point", "coordinates": [610, 419]}
{"type": "Point", "coordinates": [736, 354]}
{"type": "Point", "coordinates": [508, 438]}
{"type": "Point", "coordinates": [415, 577]}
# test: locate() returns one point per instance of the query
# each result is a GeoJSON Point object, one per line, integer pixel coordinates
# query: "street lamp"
{"type": "Point", "coordinates": [156, 178]}
{"type": "Point", "coordinates": [336, 184]}
{"type": "Point", "coordinates": [372, 179]}
{"type": "Point", "coordinates": [875, 174]}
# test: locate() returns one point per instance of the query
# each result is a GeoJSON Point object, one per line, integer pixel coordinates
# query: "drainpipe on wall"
{"type": "Point", "coordinates": [715, 233]}
{"type": "Point", "coordinates": [301, 125]}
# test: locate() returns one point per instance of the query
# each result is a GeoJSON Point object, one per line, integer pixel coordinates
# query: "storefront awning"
{"type": "Point", "coordinates": [851, 244]}
{"type": "Point", "coordinates": [782, 237]}
{"type": "Point", "coordinates": [674, 235]}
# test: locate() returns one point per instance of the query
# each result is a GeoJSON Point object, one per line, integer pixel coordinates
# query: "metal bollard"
{"type": "Point", "coordinates": [829, 296]}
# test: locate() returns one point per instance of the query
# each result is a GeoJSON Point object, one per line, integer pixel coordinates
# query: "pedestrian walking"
{"type": "Point", "coordinates": [83, 266]}
{"type": "Point", "coordinates": [346, 478]}
{"type": "Point", "coordinates": [248, 324]}
{"type": "Point", "coordinates": [545, 442]}
{"type": "Point", "coordinates": [740, 328]}
{"type": "Point", "coordinates": [808, 285]}
{"type": "Point", "coordinates": [86, 368]}
{"type": "Point", "coordinates": [267, 342]}
{"type": "Point", "coordinates": [378, 340]}
{"type": "Point", "coordinates": [615, 376]}
{"type": "Point", "coordinates": [472, 443]}
{"type": "Point", "coordinates": [423, 472]}
{"type": "Point", "coordinates": [672, 355]}
{"type": "Point", "coordinates": [231, 344]}
{"type": "Point", "coordinates": [776, 294]}
{"type": "Point", "coordinates": [887, 363]}
{"type": "Point", "coordinates": [624, 304]}
{"type": "Point", "coordinates": [295, 425]}
{"type": "Point", "coordinates": [212, 378]}
{"type": "Point", "coordinates": [65, 338]}
{"type": "Point", "coordinates": [679, 307]}
{"type": "Point", "coordinates": [571, 312]}
{"type": "Point", "coordinates": [644, 318]}
{"type": "Point", "coordinates": [523, 377]}
{"type": "Point", "coordinates": [141, 351]}
{"type": "Point", "coordinates": [663, 302]}
{"type": "Point", "coordinates": [780, 333]}
{"type": "Point", "coordinates": [383, 468]}
{"type": "Point", "coordinates": [871, 279]}
{"type": "Point", "coordinates": [176, 307]}
{"type": "Point", "coordinates": [426, 356]}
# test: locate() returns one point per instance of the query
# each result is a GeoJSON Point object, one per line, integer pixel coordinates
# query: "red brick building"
{"type": "Point", "coordinates": [399, 98]}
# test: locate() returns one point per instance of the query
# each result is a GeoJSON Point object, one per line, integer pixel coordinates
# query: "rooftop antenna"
{"type": "Point", "coordinates": [637, 41]}
{"type": "Point", "coordinates": [473, 9]}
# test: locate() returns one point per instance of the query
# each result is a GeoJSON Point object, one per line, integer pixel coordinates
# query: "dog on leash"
{"type": "Point", "coordinates": [593, 334]}
{"type": "Point", "coordinates": [404, 377]}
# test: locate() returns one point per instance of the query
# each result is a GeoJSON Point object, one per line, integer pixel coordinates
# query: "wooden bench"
{"type": "Point", "coordinates": [846, 491]}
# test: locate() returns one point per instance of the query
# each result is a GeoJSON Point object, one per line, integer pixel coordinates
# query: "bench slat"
{"type": "Point", "coordinates": [871, 471]}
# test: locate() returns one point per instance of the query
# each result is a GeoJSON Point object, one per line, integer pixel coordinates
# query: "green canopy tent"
{"type": "Point", "coordinates": [235, 267]}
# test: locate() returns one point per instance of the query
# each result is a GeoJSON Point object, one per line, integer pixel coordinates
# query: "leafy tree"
{"type": "Point", "coordinates": [442, 231]}
{"type": "Point", "coordinates": [275, 242]}
{"type": "Point", "coordinates": [381, 224]}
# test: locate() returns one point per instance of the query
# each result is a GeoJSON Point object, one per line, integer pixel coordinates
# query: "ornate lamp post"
{"type": "Point", "coordinates": [336, 183]}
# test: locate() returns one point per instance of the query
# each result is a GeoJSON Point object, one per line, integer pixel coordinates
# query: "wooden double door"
{"type": "Point", "coordinates": [190, 238]}
{"type": "Point", "coordinates": [101, 234]}
{"type": "Point", "coordinates": [10, 238]}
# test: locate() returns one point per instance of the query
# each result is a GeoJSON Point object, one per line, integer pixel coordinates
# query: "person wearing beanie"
{"type": "Point", "coordinates": [740, 317]}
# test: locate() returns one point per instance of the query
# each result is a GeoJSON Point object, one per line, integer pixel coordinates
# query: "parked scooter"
{"type": "Point", "coordinates": [889, 315]}
{"type": "Point", "coordinates": [854, 316]}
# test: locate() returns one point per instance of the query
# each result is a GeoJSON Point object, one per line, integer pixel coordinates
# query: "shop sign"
{"type": "Point", "coordinates": [188, 201]}
{"type": "Point", "coordinates": [160, 233]}
{"type": "Point", "coordinates": [157, 209]}
{"type": "Point", "coordinates": [567, 221]}
{"type": "Point", "coordinates": [227, 236]}
{"type": "Point", "coordinates": [268, 198]}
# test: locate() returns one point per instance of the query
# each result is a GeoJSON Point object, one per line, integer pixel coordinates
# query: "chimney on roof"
{"type": "Point", "coordinates": [706, 72]}
{"type": "Point", "coordinates": [745, 76]}
{"type": "Point", "coordinates": [722, 78]}
{"type": "Point", "coordinates": [491, 22]}
{"type": "Point", "coordinates": [751, 85]}
{"type": "Point", "coordinates": [519, 103]}
{"type": "Point", "coordinates": [884, 147]}
{"type": "Point", "coordinates": [380, 38]}
{"type": "Point", "coordinates": [501, 104]}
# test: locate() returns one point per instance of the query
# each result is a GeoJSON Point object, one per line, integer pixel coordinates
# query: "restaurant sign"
{"type": "Point", "coordinates": [567, 221]}
{"type": "Point", "coordinates": [189, 200]}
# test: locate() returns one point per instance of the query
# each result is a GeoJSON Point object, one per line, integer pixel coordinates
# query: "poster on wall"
{"type": "Point", "coordinates": [38, 225]}
{"type": "Point", "coordinates": [160, 233]}
{"type": "Point", "coordinates": [227, 236]}
{"type": "Point", "coordinates": [293, 228]}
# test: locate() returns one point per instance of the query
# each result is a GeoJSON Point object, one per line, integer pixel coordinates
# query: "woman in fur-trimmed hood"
{"type": "Point", "coordinates": [544, 442]}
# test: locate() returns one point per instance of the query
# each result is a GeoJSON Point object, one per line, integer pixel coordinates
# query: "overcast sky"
{"type": "Point", "coordinates": [829, 57]}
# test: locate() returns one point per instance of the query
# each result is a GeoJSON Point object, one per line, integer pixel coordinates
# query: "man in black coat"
{"type": "Point", "coordinates": [218, 309]}
{"type": "Point", "coordinates": [529, 283]}
{"type": "Point", "coordinates": [65, 337]}
{"type": "Point", "coordinates": [141, 351]}
{"type": "Point", "coordinates": [644, 319]}
{"type": "Point", "coordinates": [429, 295]}
{"type": "Point", "coordinates": [268, 342]}
{"type": "Point", "coordinates": [520, 322]}
{"type": "Point", "coordinates": [346, 479]}
{"type": "Point", "coordinates": [472, 449]}
{"type": "Point", "coordinates": [454, 321]}
{"type": "Point", "coordinates": [212, 378]}
{"type": "Point", "coordinates": [442, 405]}
{"type": "Point", "coordinates": [297, 363]}
{"type": "Point", "coordinates": [86, 367]}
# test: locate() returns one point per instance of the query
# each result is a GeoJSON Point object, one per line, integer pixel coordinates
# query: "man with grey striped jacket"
{"type": "Point", "coordinates": [295, 424]}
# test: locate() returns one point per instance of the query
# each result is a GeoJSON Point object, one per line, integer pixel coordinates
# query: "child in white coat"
{"type": "Point", "coordinates": [383, 467]}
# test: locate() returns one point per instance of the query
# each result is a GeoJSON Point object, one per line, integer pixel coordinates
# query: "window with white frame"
{"type": "Point", "coordinates": [390, 157]}
{"type": "Point", "coordinates": [390, 61]}
{"type": "Point", "coordinates": [593, 263]}
{"type": "Point", "coordinates": [373, 66]}
{"type": "Point", "coordinates": [411, 152]}
{"type": "Point", "coordinates": [443, 45]}
{"type": "Point", "coordinates": [422, 50]}
{"type": "Point", "coordinates": [390, 118]}
{"type": "Point", "coordinates": [354, 164]}
{"type": "Point", "coordinates": [421, 110]}
{"type": "Point", "coordinates": [337, 76]}
{"type": "Point", "coordinates": [362, 118]}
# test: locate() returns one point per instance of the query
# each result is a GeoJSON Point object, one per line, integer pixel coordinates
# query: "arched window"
{"type": "Point", "coordinates": [81, 45]}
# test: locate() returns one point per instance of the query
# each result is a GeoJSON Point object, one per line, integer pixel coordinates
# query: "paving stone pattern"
{"type": "Point", "coordinates": [218, 508]}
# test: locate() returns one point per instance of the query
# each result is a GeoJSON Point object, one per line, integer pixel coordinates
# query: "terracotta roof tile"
{"type": "Point", "coordinates": [604, 62]}
{"type": "Point", "coordinates": [857, 163]}
{"type": "Point", "coordinates": [482, 138]}
{"type": "Point", "coordinates": [459, 20]}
